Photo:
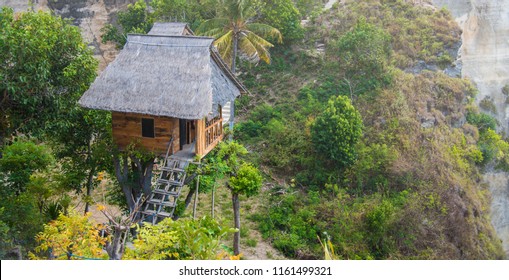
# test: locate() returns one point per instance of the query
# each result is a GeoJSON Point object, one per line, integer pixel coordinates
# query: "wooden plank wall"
{"type": "Point", "coordinates": [127, 129]}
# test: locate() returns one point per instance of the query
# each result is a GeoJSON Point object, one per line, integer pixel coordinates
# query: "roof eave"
{"type": "Point", "coordinates": [220, 62]}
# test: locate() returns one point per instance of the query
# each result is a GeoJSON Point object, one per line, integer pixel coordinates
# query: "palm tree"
{"type": "Point", "coordinates": [235, 32]}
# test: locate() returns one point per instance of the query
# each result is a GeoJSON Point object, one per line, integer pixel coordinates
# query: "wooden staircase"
{"type": "Point", "coordinates": [162, 201]}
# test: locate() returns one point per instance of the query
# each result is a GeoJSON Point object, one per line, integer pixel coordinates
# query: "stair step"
{"type": "Point", "coordinates": [160, 191]}
{"type": "Point", "coordinates": [168, 168]}
{"type": "Point", "coordinates": [166, 182]}
{"type": "Point", "coordinates": [161, 202]}
{"type": "Point", "coordinates": [153, 213]}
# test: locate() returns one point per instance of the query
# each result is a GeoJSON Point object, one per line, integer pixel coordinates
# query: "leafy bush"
{"type": "Point", "coordinates": [136, 19]}
{"type": "Point", "coordinates": [283, 15]}
{"type": "Point", "coordinates": [482, 121]}
{"type": "Point", "coordinates": [364, 227]}
{"type": "Point", "coordinates": [19, 160]}
{"type": "Point", "coordinates": [370, 173]}
{"type": "Point", "coordinates": [337, 130]}
{"type": "Point", "coordinates": [289, 244]}
{"type": "Point", "coordinates": [247, 180]}
{"type": "Point", "coordinates": [363, 58]}
{"type": "Point", "coordinates": [45, 64]}
{"type": "Point", "coordinates": [184, 239]}
{"type": "Point", "coordinates": [70, 237]}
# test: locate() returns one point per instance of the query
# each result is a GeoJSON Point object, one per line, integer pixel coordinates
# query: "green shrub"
{"type": "Point", "coordinates": [363, 58]}
{"type": "Point", "coordinates": [184, 239]}
{"type": "Point", "coordinates": [19, 160]}
{"type": "Point", "coordinates": [336, 132]}
{"type": "Point", "coordinates": [283, 15]}
{"type": "Point", "coordinates": [289, 244]}
{"type": "Point", "coordinates": [247, 130]}
{"type": "Point", "coordinates": [482, 121]}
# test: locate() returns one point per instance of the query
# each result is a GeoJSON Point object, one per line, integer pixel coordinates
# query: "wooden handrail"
{"type": "Point", "coordinates": [170, 147]}
{"type": "Point", "coordinates": [213, 132]}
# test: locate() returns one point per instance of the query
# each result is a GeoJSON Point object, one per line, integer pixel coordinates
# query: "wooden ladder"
{"type": "Point", "coordinates": [163, 200]}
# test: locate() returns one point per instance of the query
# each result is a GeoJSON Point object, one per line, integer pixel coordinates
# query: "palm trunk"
{"type": "Point", "coordinates": [232, 106]}
{"type": "Point", "coordinates": [234, 51]}
{"type": "Point", "coordinates": [236, 215]}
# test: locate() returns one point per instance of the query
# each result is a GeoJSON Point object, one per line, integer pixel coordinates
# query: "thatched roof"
{"type": "Point", "coordinates": [170, 29]}
{"type": "Point", "coordinates": [174, 76]}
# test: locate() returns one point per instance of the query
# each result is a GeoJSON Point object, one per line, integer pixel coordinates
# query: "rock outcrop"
{"type": "Point", "coordinates": [485, 58]}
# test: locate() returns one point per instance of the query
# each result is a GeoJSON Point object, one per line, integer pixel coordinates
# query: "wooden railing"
{"type": "Point", "coordinates": [213, 133]}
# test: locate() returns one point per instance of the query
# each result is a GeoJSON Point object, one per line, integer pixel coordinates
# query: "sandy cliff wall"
{"type": "Point", "coordinates": [485, 57]}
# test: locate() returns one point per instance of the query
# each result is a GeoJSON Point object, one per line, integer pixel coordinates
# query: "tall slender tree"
{"type": "Point", "coordinates": [237, 33]}
{"type": "Point", "coordinates": [242, 179]}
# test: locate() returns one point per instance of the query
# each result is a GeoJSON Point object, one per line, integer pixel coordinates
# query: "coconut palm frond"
{"type": "Point", "coordinates": [214, 33]}
{"type": "Point", "coordinates": [261, 46]}
{"type": "Point", "coordinates": [265, 30]}
{"type": "Point", "coordinates": [224, 45]}
{"type": "Point", "coordinates": [248, 49]}
{"type": "Point", "coordinates": [237, 9]}
{"type": "Point", "coordinates": [238, 30]}
{"type": "Point", "coordinates": [212, 24]}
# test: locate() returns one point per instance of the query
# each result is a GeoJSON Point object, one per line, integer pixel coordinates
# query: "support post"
{"type": "Point", "coordinates": [213, 200]}
{"type": "Point", "coordinates": [196, 197]}
{"type": "Point", "coordinates": [232, 117]}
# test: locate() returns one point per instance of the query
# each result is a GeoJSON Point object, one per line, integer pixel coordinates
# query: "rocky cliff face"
{"type": "Point", "coordinates": [89, 15]}
{"type": "Point", "coordinates": [485, 57]}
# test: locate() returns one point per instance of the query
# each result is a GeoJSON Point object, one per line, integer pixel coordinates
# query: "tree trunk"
{"type": "Point", "coordinates": [144, 171]}
{"type": "Point", "coordinates": [232, 105]}
{"type": "Point", "coordinates": [89, 189]}
{"type": "Point", "coordinates": [122, 173]}
{"type": "Point", "coordinates": [189, 197]}
{"type": "Point", "coordinates": [147, 177]}
{"type": "Point", "coordinates": [115, 248]}
{"type": "Point", "coordinates": [236, 217]}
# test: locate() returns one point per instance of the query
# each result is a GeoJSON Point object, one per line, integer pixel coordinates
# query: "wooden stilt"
{"type": "Point", "coordinates": [213, 200]}
{"type": "Point", "coordinates": [196, 197]}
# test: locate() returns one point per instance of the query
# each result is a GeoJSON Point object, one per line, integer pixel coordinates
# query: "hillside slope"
{"type": "Point", "coordinates": [415, 190]}
{"type": "Point", "coordinates": [484, 54]}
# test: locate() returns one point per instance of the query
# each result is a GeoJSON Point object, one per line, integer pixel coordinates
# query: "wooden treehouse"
{"type": "Point", "coordinates": [166, 91]}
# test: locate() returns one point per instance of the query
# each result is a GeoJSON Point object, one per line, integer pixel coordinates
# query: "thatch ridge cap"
{"type": "Point", "coordinates": [173, 36]}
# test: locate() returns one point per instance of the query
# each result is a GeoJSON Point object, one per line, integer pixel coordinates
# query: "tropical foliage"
{"type": "Point", "coordinates": [136, 19]}
{"type": "Point", "coordinates": [363, 58]}
{"type": "Point", "coordinates": [184, 239]}
{"type": "Point", "coordinates": [337, 130]}
{"type": "Point", "coordinates": [44, 63]}
{"type": "Point", "coordinates": [357, 138]}
{"type": "Point", "coordinates": [236, 35]}
{"type": "Point", "coordinates": [70, 237]}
